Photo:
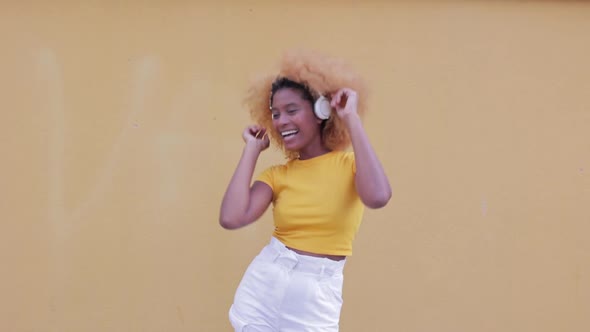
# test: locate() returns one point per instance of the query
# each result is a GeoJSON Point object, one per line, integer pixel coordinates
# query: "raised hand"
{"type": "Point", "coordinates": [345, 102]}
{"type": "Point", "coordinates": [256, 136]}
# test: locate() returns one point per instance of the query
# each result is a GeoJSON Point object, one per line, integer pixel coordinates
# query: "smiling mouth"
{"type": "Point", "coordinates": [289, 133]}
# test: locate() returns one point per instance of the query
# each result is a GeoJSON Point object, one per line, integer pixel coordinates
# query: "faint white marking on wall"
{"type": "Point", "coordinates": [50, 75]}
{"type": "Point", "coordinates": [484, 207]}
{"type": "Point", "coordinates": [146, 72]}
{"type": "Point", "coordinates": [171, 145]}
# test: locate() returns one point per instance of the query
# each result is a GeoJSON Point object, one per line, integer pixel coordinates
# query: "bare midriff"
{"type": "Point", "coordinates": [307, 253]}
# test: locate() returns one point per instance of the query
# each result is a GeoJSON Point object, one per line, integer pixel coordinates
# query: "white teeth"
{"type": "Point", "coordinates": [289, 132]}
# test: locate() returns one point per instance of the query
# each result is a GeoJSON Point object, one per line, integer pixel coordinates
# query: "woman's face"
{"type": "Point", "coordinates": [293, 118]}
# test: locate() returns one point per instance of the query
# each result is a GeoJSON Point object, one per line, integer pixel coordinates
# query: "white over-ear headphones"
{"type": "Point", "coordinates": [322, 108]}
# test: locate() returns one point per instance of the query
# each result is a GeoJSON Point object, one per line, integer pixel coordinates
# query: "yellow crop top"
{"type": "Point", "coordinates": [315, 204]}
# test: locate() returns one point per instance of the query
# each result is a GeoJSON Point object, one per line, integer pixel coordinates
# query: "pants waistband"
{"type": "Point", "coordinates": [320, 266]}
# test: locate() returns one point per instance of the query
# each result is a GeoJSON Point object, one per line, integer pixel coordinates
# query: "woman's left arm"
{"type": "Point", "coordinates": [371, 182]}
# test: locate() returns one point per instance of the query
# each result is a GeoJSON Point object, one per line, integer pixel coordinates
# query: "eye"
{"type": "Point", "coordinates": [275, 116]}
{"type": "Point", "coordinates": [291, 111]}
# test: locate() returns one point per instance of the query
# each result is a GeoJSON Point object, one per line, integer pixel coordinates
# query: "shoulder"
{"type": "Point", "coordinates": [347, 155]}
{"type": "Point", "coordinates": [344, 156]}
{"type": "Point", "coordinates": [345, 159]}
{"type": "Point", "coordinates": [275, 169]}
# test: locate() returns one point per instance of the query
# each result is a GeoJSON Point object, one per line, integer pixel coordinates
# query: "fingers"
{"type": "Point", "coordinates": [265, 140]}
{"type": "Point", "coordinates": [341, 97]}
{"type": "Point", "coordinates": [262, 132]}
{"type": "Point", "coordinates": [252, 130]}
{"type": "Point", "coordinates": [255, 131]}
{"type": "Point", "coordinates": [336, 98]}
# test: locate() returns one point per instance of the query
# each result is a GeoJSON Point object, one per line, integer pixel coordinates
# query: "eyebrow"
{"type": "Point", "coordinates": [288, 105]}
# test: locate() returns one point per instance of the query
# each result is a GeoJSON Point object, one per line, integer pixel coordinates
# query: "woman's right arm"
{"type": "Point", "coordinates": [243, 204]}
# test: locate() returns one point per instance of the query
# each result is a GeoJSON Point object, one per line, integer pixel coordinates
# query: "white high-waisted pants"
{"type": "Point", "coordinates": [284, 291]}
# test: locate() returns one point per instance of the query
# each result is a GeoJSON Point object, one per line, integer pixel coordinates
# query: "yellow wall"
{"type": "Point", "coordinates": [121, 127]}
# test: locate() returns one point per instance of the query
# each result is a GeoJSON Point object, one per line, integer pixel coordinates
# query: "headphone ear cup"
{"type": "Point", "coordinates": [322, 108]}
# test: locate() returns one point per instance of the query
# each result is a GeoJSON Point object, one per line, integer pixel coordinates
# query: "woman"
{"type": "Point", "coordinates": [312, 111]}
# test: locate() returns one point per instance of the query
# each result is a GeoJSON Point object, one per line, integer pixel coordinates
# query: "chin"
{"type": "Point", "coordinates": [291, 148]}
{"type": "Point", "coordinates": [294, 146]}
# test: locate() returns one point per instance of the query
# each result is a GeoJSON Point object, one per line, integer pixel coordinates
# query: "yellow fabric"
{"type": "Point", "coordinates": [315, 204]}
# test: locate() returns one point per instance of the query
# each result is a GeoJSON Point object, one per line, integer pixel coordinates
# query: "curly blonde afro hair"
{"type": "Point", "coordinates": [322, 75]}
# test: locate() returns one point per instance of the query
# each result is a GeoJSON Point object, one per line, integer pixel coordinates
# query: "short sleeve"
{"type": "Point", "coordinates": [349, 160]}
{"type": "Point", "coordinates": [267, 176]}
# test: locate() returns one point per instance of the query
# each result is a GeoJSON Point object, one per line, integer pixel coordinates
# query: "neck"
{"type": "Point", "coordinates": [313, 151]}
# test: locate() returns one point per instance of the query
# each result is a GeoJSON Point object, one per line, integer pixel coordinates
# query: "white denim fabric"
{"type": "Point", "coordinates": [287, 292]}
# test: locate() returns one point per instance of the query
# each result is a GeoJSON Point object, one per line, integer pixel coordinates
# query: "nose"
{"type": "Point", "coordinates": [282, 120]}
